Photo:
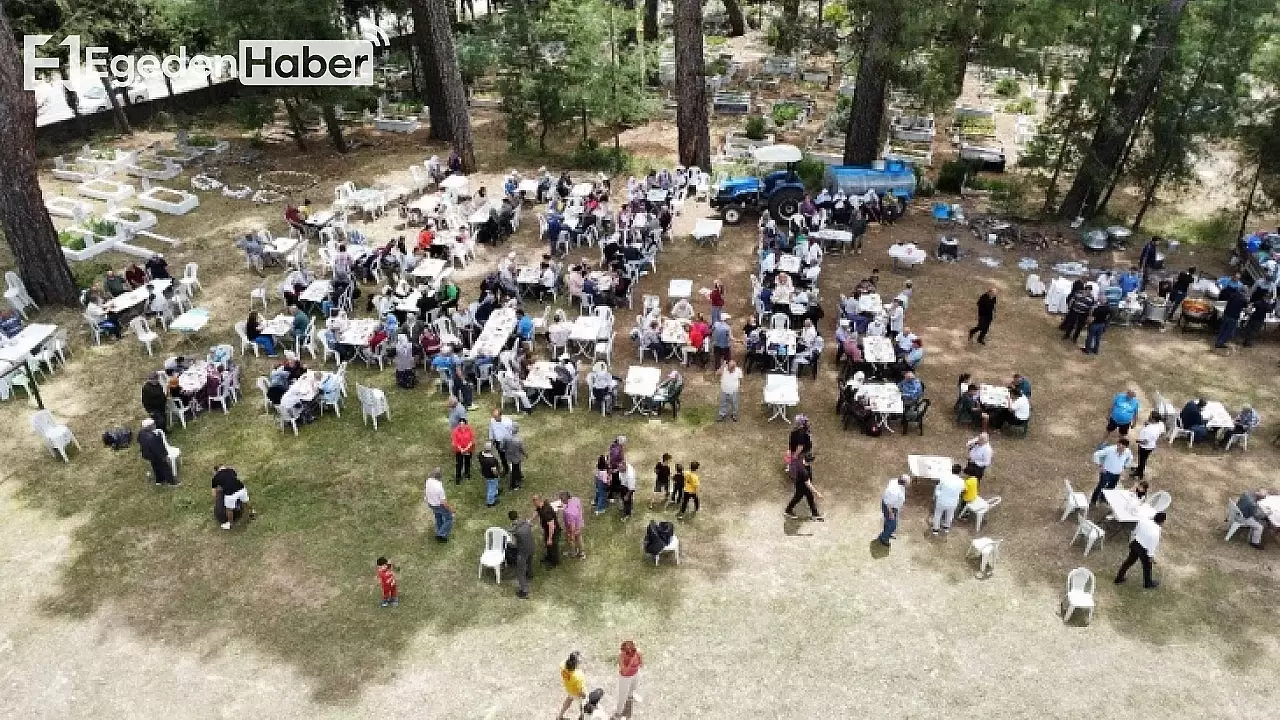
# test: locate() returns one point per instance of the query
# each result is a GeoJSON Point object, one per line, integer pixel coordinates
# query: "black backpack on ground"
{"type": "Point", "coordinates": [658, 536]}
{"type": "Point", "coordinates": [117, 438]}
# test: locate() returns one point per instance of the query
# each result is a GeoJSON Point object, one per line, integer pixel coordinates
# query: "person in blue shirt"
{"type": "Point", "coordinates": [509, 187]}
{"type": "Point", "coordinates": [10, 325]}
{"type": "Point", "coordinates": [524, 326]}
{"type": "Point", "coordinates": [1130, 280]}
{"type": "Point", "coordinates": [766, 298]}
{"type": "Point", "coordinates": [1124, 408]}
{"type": "Point", "coordinates": [914, 357]}
{"type": "Point", "coordinates": [911, 387]}
{"type": "Point", "coordinates": [1192, 418]}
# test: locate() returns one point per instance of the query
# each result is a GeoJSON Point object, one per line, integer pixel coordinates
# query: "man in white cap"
{"type": "Point", "coordinates": [891, 502]}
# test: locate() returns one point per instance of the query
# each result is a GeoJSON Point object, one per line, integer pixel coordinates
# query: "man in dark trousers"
{"type": "Point", "coordinates": [1142, 548]}
{"type": "Point", "coordinates": [1181, 286]}
{"type": "Point", "coordinates": [522, 541]}
{"type": "Point", "coordinates": [804, 490]}
{"type": "Point", "coordinates": [1099, 321]}
{"type": "Point", "coordinates": [155, 452]}
{"type": "Point", "coordinates": [515, 456]}
{"type": "Point", "coordinates": [1262, 304]}
{"type": "Point", "coordinates": [1079, 306]}
{"type": "Point", "coordinates": [155, 400]}
{"type": "Point", "coordinates": [986, 311]}
{"type": "Point", "coordinates": [550, 531]}
{"type": "Point", "coordinates": [1230, 320]}
{"type": "Point", "coordinates": [1147, 259]}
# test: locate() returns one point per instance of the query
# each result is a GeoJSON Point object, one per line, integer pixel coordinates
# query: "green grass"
{"type": "Point", "coordinates": [1214, 232]}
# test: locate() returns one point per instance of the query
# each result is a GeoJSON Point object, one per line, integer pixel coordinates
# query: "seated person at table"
{"type": "Point", "coordinates": [547, 281]}
{"type": "Point", "coordinates": [108, 322]}
{"type": "Point", "coordinates": [754, 341]}
{"type": "Point", "coordinates": [699, 331]}
{"type": "Point", "coordinates": [524, 326]}
{"type": "Point", "coordinates": [1245, 421]}
{"type": "Point", "coordinates": [1018, 413]}
{"type": "Point", "coordinates": [682, 310]}
{"type": "Point", "coordinates": [447, 295]}
{"type": "Point", "coordinates": [969, 406]}
{"type": "Point", "coordinates": [157, 267]}
{"type": "Point", "coordinates": [10, 325]}
{"type": "Point", "coordinates": [809, 276]}
{"type": "Point", "coordinates": [858, 412]}
{"type": "Point", "coordinates": [429, 342]}
{"type": "Point", "coordinates": [808, 332]}
{"type": "Point", "coordinates": [766, 299]}
{"type": "Point", "coordinates": [651, 339]}
{"type": "Point", "coordinates": [783, 289]}
{"type": "Point", "coordinates": [1022, 384]}
{"type": "Point", "coordinates": [602, 386]}
{"type": "Point", "coordinates": [427, 238]}
{"type": "Point", "coordinates": [911, 387]}
{"type": "Point", "coordinates": [565, 375]}
{"type": "Point", "coordinates": [293, 365]}
{"type": "Point", "coordinates": [1255, 517]}
{"type": "Point", "coordinates": [844, 334]}
{"type": "Point", "coordinates": [278, 382]}
{"type": "Point", "coordinates": [513, 387]}
{"type": "Point", "coordinates": [877, 327]}
{"type": "Point", "coordinates": [809, 354]}
{"type": "Point", "coordinates": [668, 390]}
{"type": "Point", "coordinates": [253, 331]}
{"type": "Point", "coordinates": [1192, 419]}
{"type": "Point", "coordinates": [113, 283]}
{"type": "Point", "coordinates": [813, 254]}
{"type": "Point", "coordinates": [378, 337]}
{"type": "Point", "coordinates": [293, 216]}
{"type": "Point", "coordinates": [301, 321]}
{"type": "Point", "coordinates": [575, 281]}
{"type": "Point", "coordinates": [916, 355]}
{"type": "Point", "coordinates": [135, 276]}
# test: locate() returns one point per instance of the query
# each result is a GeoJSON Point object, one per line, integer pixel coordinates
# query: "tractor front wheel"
{"type": "Point", "coordinates": [733, 214]}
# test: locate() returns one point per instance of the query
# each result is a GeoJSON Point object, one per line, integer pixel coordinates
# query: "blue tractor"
{"type": "Point", "coordinates": [780, 192]}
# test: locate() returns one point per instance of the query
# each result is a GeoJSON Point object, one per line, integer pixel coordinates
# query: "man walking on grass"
{"type": "Point", "coordinates": [730, 387]}
{"type": "Point", "coordinates": [805, 490]}
{"type": "Point", "coordinates": [986, 313]}
{"type": "Point", "coordinates": [891, 502]}
{"type": "Point", "coordinates": [522, 538]}
{"type": "Point", "coordinates": [1142, 548]}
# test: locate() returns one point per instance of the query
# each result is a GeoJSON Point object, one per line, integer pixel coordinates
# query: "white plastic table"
{"type": "Point", "coordinates": [429, 269]}
{"type": "Point", "coordinates": [878, 350]}
{"type": "Point", "coordinates": [529, 188]}
{"type": "Point", "coordinates": [870, 303]}
{"type": "Point", "coordinates": [884, 399]}
{"type": "Point", "coordinates": [581, 189]}
{"type": "Point", "coordinates": [541, 374]}
{"type": "Point", "coordinates": [789, 264]}
{"type": "Point", "coordinates": [993, 396]}
{"type": "Point", "coordinates": [656, 195]}
{"type": "Point", "coordinates": [278, 326]}
{"type": "Point", "coordinates": [708, 230]}
{"type": "Point", "coordinates": [780, 393]}
{"type": "Point", "coordinates": [1126, 507]}
{"type": "Point", "coordinates": [124, 301]}
{"type": "Point", "coordinates": [316, 291]}
{"type": "Point", "coordinates": [1216, 416]}
{"type": "Point", "coordinates": [357, 332]}
{"type": "Point", "coordinates": [195, 377]}
{"type": "Point", "coordinates": [679, 289]}
{"type": "Point", "coordinates": [828, 237]}
{"type": "Point", "coordinates": [497, 329]}
{"type": "Point", "coordinates": [640, 385]}
{"type": "Point", "coordinates": [190, 322]}
{"type": "Point", "coordinates": [1271, 506]}
{"type": "Point", "coordinates": [929, 466]}
{"type": "Point", "coordinates": [454, 183]}
{"type": "Point", "coordinates": [585, 333]}
{"type": "Point", "coordinates": [16, 349]}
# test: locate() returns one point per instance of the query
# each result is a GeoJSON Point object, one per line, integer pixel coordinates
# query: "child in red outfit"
{"type": "Point", "coordinates": [387, 579]}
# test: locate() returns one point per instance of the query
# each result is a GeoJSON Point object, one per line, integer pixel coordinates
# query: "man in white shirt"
{"type": "Point", "coordinates": [1148, 437]}
{"type": "Point", "coordinates": [769, 263]}
{"type": "Point", "coordinates": [896, 317]}
{"type": "Point", "coordinates": [602, 384]}
{"type": "Point", "coordinates": [891, 502]}
{"type": "Point", "coordinates": [1111, 460]}
{"type": "Point", "coordinates": [946, 496]}
{"type": "Point", "coordinates": [433, 495]}
{"type": "Point", "coordinates": [980, 455]}
{"type": "Point", "coordinates": [1142, 548]}
{"type": "Point", "coordinates": [730, 386]}
{"type": "Point", "coordinates": [813, 254]}
{"type": "Point", "coordinates": [906, 340]}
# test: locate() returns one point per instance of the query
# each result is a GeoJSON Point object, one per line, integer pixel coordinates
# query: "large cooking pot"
{"type": "Point", "coordinates": [1156, 310]}
{"type": "Point", "coordinates": [1196, 309]}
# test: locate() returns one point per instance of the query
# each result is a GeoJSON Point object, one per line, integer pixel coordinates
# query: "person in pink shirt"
{"type": "Point", "coordinates": [573, 523]}
{"type": "Point", "coordinates": [629, 663]}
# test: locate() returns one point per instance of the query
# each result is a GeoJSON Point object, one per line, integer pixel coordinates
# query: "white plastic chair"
{"type": "Point", "coordinates": [174, 453]}
{"type": "Point", "coordinates": [258, 294]}
{"type": "Point", "coordinates": [264, 386]}
{"type": "Point", "coordinates": [373, 402]}
{"type": "Point", "coordinates": [1160, 501]}
{"type": "Point", "coordinates": [672, 547]}
{"type": "Point", "coordinates": [1074, 501]}
{"type": "Point", "coordinates": [1235, 519]}
{"type": "Point", "coordinates": [987, 551]}
{"type": "Point", "coordinates": [56, 436]}
{"type": "Point", "coordinates": [191, 278]}
{"type": "Point", "coordinates": [181, 409]}
{"type": "Point", "coordinates": [979, 509]}
{"type": "Point", "coordinates": [779, 321]}
{"type": "Point", "coordinates": [1177, 432]}
{"type": "Point", "coordinates": [605, 349]}
{"type": "Point", "coordinates": [223, 392]}
{"type": "Point", "coordinates": [287, 416]}
{"type": "Point", "coordinates": [16, 294]}
{"type": "Point", "coordinates": [1080, 586]}
{"type": "Point", "coordinates": [1090, 531]}
{"type": "Point", "coordinates": [495, 552]}
{"type": "Point", "coordinates": [1242, 438]}
{"type": "Point", "coordinates": [143, 331]}
{"type": "Point", "coordinates": [333, 399]}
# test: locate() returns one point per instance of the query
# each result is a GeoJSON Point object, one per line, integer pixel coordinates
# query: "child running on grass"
{"type": "Point", "coordinates": [387, 579]}
{"type": "Point", "coordinates": [691, 484]}
{"type": "Point", "coordinates": [662, 480]}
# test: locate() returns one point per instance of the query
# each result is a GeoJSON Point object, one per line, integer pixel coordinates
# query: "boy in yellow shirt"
{"type": "Point", "coordinates": [574, 682]}
{"type": "Point", "coordinates": [970, 492]}
{"type": "Point", "coordinates": [691, 485]}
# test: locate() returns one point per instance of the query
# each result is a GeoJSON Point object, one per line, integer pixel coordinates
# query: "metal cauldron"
{"type": "Point", "coordinates": [1156, 311]}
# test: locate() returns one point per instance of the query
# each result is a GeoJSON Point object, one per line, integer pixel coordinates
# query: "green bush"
{"type": "Point", "coordinates": [1007, 88]}
{"type": "Point", "coordinates": [838, 121]}
{"type": "Point", "coordinates": [784, 112]}
{"type": "Point", "coordinates": [953, 174]}
{"type": "Point", "coordinates": [590, 155]}
{"type": "Point", "coordinates": [716, 40]}
{"type": "Point", "coordinates": [100, 227]}
{"type": "Point", "coordinates": [204, 141]}
{"type": "Point", "coordinates": [87, 273]}
{"type": "Point", "coordinates": [755, 127]}
{"type": "Point", "coordinates": [1022, 106]}
{"type": "Point", "coordinates": [812, 171]}
{"type": "Point", "coordinates": [252, 112]}
{"type": "Point", "coordinates": [359, 99]}
{"type": "Point", "coordinates": [70, 240]}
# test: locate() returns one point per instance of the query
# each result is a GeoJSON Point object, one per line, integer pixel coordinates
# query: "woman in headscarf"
{"type": "Point", "coordinates": [406, 374]}
{"type": "Point", "coordinates": [629, 663]}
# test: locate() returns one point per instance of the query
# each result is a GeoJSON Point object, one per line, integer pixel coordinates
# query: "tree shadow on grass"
{"type": "Point", "coordinates": [298, 582]}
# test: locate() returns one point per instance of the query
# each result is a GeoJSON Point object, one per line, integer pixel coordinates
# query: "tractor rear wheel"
{"type": "Point", "coordinates": [785, 203]}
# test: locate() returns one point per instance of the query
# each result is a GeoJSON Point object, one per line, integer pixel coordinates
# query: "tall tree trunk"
{"type": "Point", "coordinates": [866, 114]}
{"type": "Point", "coordinates": [117, 112]}
{"type": "Point", "coordinates": [963, 33]}
{"type": "Point", "coordinates": [72, 99]}
{"type": "Point", "coordinates": [651, 20]}
{"type": "Point", "coordinates": [1120, 166]}
{"type": "Point", "coordinates": [443, 66]}
{"type": "Point", "coordinates": [334, 126]}
{"type": "Point", "coordinates": [26, 224]}
{"type": "Point", "coordinates": [296, 124]}
{"type": "Point", "coordinates": [1051, 190]}
{"type": "Point", "coordinates": [433, 91]}
{"type": "Point", "coordinates": [693, 131]}
{"type": "Point", "coordinates": [1248, 203]}
{"type": "Point", "coordinates": [821, 8]}
{"type": "Point", "coordinates": [629, 38]}
{"type": "Point", "coordinates": [737, 24]}
{"type": "Point", "coordinates": [169, 101]}
{"type": "Point", "coordinates": [789, 27]}
{"type": "Point", "coordinates": [1129, 99]}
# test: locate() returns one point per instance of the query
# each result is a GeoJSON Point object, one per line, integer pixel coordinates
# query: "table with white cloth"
{"type": "Point", "coordinates": [708, 230]}
{"type": "Point", "coordinates": [124, 301]}
{"type": "Point", "coordinates": [193, 379]}
{"type": "Point", "coordinates": [870, 303]}
{"type": "Point", "coordinates": [603, 280]}
{"type": "Point", "coordinates": [830, 237]}
{"type": "Point", "coordinates": [640, 385]}
{"type": "Point", "coordinates": [190, 322]}
{"type": "Point", "coordinates": [1271, 506]}
{"type": "Point", "coordinates": [780, 344]}
{"type": "Point", "coordinates": [529, 188]}
{"type": "Point", "coordinates": [679, 289]}
{"type": "Point", "coordinates": [358, 332]}
{"type": "Point", "coordinates": [429, 269]}
{"type": "Point", "coordinates": [657, 196]}
{"type": "Point", "coordinates": [427, 203]}
{"type": "Point", "coordinates": [324, 217]}
{"type": "Point", "coordinates": [527, 279]}
{"type": "Point", "coordinates": [278, 326]}
{"type": "Point", "coordinates": [585, 333]}
{"type": "Point", "coordinates": [16, 349]}
{"type": "Point", "coordinates": [454, 183]}
{"type": "Point", "coordinates": [303, 390]}
{"type": "Point", "coordinates": [781, 392]}
{"type": "Point", "coordinates": [316, 291]}
{"type": "Point", "coordinates": [877, 350]}
{"type": "Point", "coordinates": [993, 396]}
{"type": "Point", "coordinates": [789, 264]}
{"type": "Point", "coordinates": [582, 189]}
{"type": "Point", "coordinates": [541, 374]}
{"type": "Point", "coordinates": [1127, 507]}
{"type": "Point", "coordinates": [884, 399]}
{"type": "Point", "coordinates": [481, 216]}
{"type": "Point", "coordinates": [675, 334]}
{"type": "Point", "coordinates": [906, 254]}
{"type": "Point", "coordinates": [281, 246]}
{"type": "Point", "coordinates": [933, 467]}
{"type": "Point", "coordinates": [1055, 297]}
{"type": "Point", "coordinates": [493, 338]}
{"type": "Point", "coordinates": [1216, 416]}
